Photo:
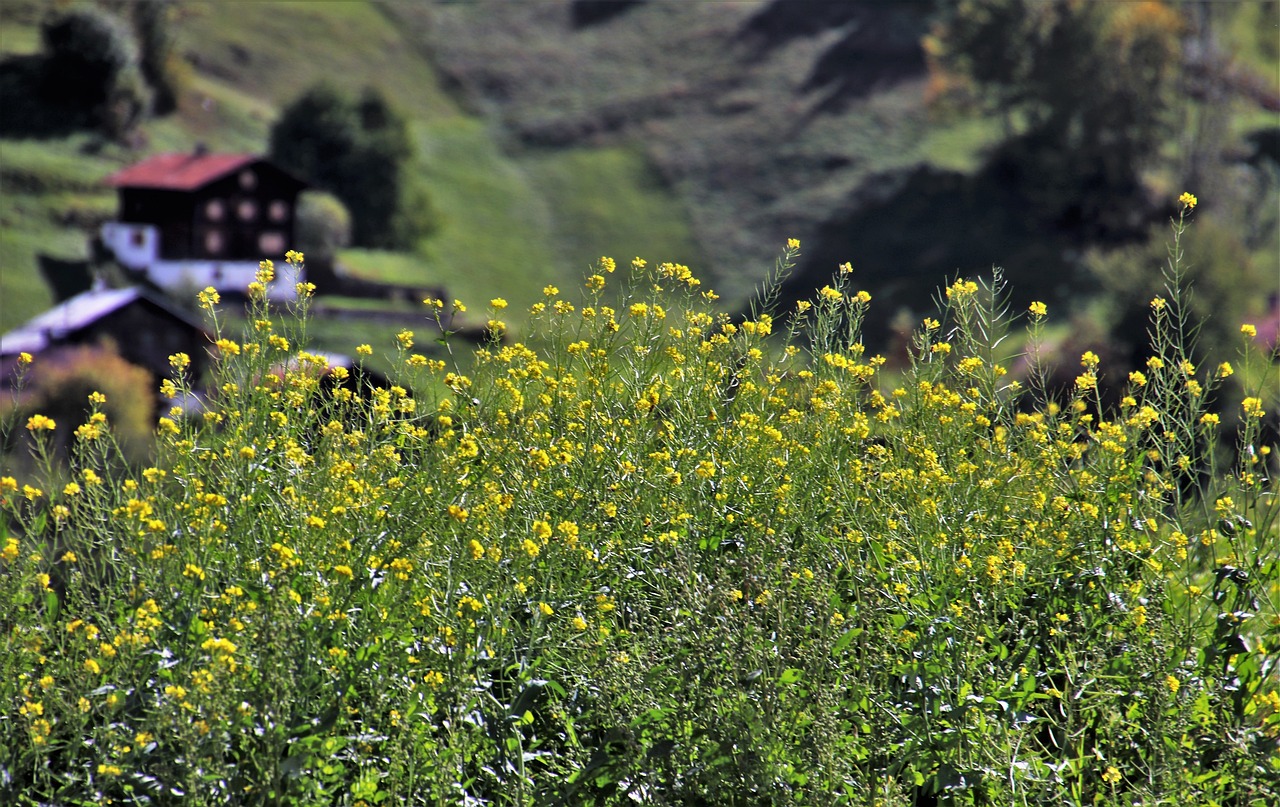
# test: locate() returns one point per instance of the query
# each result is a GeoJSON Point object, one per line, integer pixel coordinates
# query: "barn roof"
{"type": "Point", "coordinates": [77, 313]}
{"type": "Point", "coordinates": [184, 171]}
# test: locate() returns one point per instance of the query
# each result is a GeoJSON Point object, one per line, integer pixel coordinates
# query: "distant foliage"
{"type": "Point", "coordinates": [61, 383]}
{"type": "Point", "coordinates": [157, 59]}
{"type": "Point", "coordinates": [1088, 86]}
{"type": "Point", "coordinates": [360, 150]}
{"type": "Point", "coordinates": [323, 226]}
{"type": "Point", "coordinates": [92, 66]}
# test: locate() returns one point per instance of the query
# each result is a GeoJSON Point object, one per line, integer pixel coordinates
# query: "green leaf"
{"type": "Point", "coordinates": [844, 641]}
{"type": "Point", "coordinates": [790, 675]}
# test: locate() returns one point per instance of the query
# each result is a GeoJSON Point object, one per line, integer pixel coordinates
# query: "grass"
{"type": "Point", "coordinates": [658, 557]}
{"type": "Point", "coordinates": [510, 222]}
{"type": "Point", "coordinates": [610, 199]}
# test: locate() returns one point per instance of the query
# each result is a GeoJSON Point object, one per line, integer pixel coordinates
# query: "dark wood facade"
{"type": "Point", "coordinates": [211, 207]}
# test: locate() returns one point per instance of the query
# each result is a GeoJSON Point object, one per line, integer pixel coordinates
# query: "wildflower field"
{"type": "Point", "coordinates": [650, 554]}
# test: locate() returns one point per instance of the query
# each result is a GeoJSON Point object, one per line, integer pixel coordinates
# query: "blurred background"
{"type": "Point", "coordinates": [480, 148]}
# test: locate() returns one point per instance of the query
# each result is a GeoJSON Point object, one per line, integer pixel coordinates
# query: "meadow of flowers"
{"type": "Point", "coordinates": [650, 554]}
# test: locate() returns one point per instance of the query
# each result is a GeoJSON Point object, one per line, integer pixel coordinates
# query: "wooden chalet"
{"type": "Point", "coordinates": [187, 221]}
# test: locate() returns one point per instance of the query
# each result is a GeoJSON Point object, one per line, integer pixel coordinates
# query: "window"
{"type": "Point", "coordinates": [271, 243]}
{"type": "Point", "coordinates": [278, 211]}
{"type": "Point", "coordinates": [214, 210]}
{"type": "Point", "coordinates": [247, 210]}
{"type": "Point", "coordinates": [248, 180]}
{"type": "Point", "coordinates": [214, 242]}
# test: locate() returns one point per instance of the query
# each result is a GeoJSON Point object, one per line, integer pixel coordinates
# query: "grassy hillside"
{"type": "Point", "coordinates": [510, 224]}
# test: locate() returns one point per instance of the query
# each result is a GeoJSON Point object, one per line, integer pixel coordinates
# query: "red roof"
{"type": "Point", "coordinates": [179, 172]}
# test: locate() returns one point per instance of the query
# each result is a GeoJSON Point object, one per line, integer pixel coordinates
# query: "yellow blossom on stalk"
{"type": "Point", "coordinates": [227, 347]}
{"type": "Point", "coordinates": [304, 289]}
{"type": "Point", "coordinates": [1111, 775]}
{"type": "Point", "coordinates": [1172, 683]}
{"type": "Point", "coordinates": [364, 350]}
{"type": "Point", "coordinates": [1038, 309]}
{"type": "Point", "coordinates": [830, 295]}
{"type": "Point", "coordinates": [1252, 407]}
{"type": "Point", "coordinates": [208, 298]}
{"type": "Point", "coordinates": [579, 623]}
{"type": "Point", "coordinates": [1187, 200]}
{"type": "Point", "coordinates": [38, 423]}
{"type": "Point", "coordinates": [1249, 330]}
{"type": "Point", "coordinates": [1225, 370]}
{"type": "Point", "coordinates": [293, 257]}
{"type": "Point", "coordinates": [1137, 378]}
{"type": "Point", "coordinates": [1089, 359]}
{"type": "Point", "coordinates": [1209, 419]}
{"type": "Point", "coordinates": [1158, 303]}
{"type": "Point", "coordinates": [179, 361]}
{"type": "Point", "coordinates": [405, 338]}
{"type": "Point", "coordinates": [266, 272]}
{"type": "Point", "coordinates": [497, 303]}
{"type": "Point", "coordinates": [846, 269]}
{"type": "Point", "coordinates": [24, 359]}
{"type": "Point", "coordinates": [793, 243]}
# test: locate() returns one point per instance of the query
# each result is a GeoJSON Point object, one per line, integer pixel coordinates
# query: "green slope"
{"type": "Point", "coordinates": [510, 223]}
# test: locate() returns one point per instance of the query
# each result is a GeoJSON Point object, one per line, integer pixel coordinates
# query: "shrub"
{"type": "Point", "coordinates": [360, 151]}
{"type": "Point", "coordinates": [655, 555]}
{"type": "Point", "coordinates": [92, 66]}
{"type": "Point", "coordinates": [61, 383]}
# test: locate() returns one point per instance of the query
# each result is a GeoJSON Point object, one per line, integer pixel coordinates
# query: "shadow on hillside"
{"type": "Point", "coordinates": [925, 227]}
{"type": "Point", "coordinates": [879, 44]}
{"type": "Point", "coordinates": [28, 111]}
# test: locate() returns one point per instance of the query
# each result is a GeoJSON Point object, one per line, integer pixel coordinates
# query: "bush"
{"type": "Point", "coordinates": [61, 383]}
{"type": "Point", "coordinates": [360, 151]}
{"type": "Point", "coordinates": [653, 555]}
{"type": "Point", "coordinates": [92, 66]}
{"type": "Point", "coordinates": [324, 225]}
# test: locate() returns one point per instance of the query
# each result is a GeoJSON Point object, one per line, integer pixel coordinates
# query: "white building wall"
{"type": "Point", "coordinates": [136, 247]}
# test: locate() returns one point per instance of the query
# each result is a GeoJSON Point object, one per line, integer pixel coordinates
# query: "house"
{"type": "Point", "coordinates": [193, 220]}
{"type": "Point", "coordinates": [144, 329]}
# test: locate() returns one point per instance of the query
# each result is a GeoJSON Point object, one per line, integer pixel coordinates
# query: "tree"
{"type": "Point", "coordinates": [360, 151]}
{"type": "Point", "coordinates": [1085, 90]}
{"type": "Point", "coordinates": [91, 65]}
{"type": "Point", "coordinates": [156, 57]}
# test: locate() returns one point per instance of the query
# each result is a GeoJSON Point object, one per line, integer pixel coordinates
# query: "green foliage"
{"type": "Point", "coordinates": [1091, 85]}
{"type": "Point", "coordinates": [92, 66]}
{"type": "Point", "coordinates": [360, 151]}
{"type": "Point", "coordinates": [156, 57]}
{"type": "Point", "coordinates": [60, 386]}
{"type": "Point", "coordinates": [323, 225]}
{"type": "Point", "coordinates": [655, 555]}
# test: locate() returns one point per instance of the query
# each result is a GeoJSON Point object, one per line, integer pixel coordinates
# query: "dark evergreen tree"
{"type": "Point", "coordinates": [360, 151]}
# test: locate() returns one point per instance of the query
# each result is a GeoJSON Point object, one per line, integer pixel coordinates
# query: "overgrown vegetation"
{"type": "Point", "coordinates": [654, 555]}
